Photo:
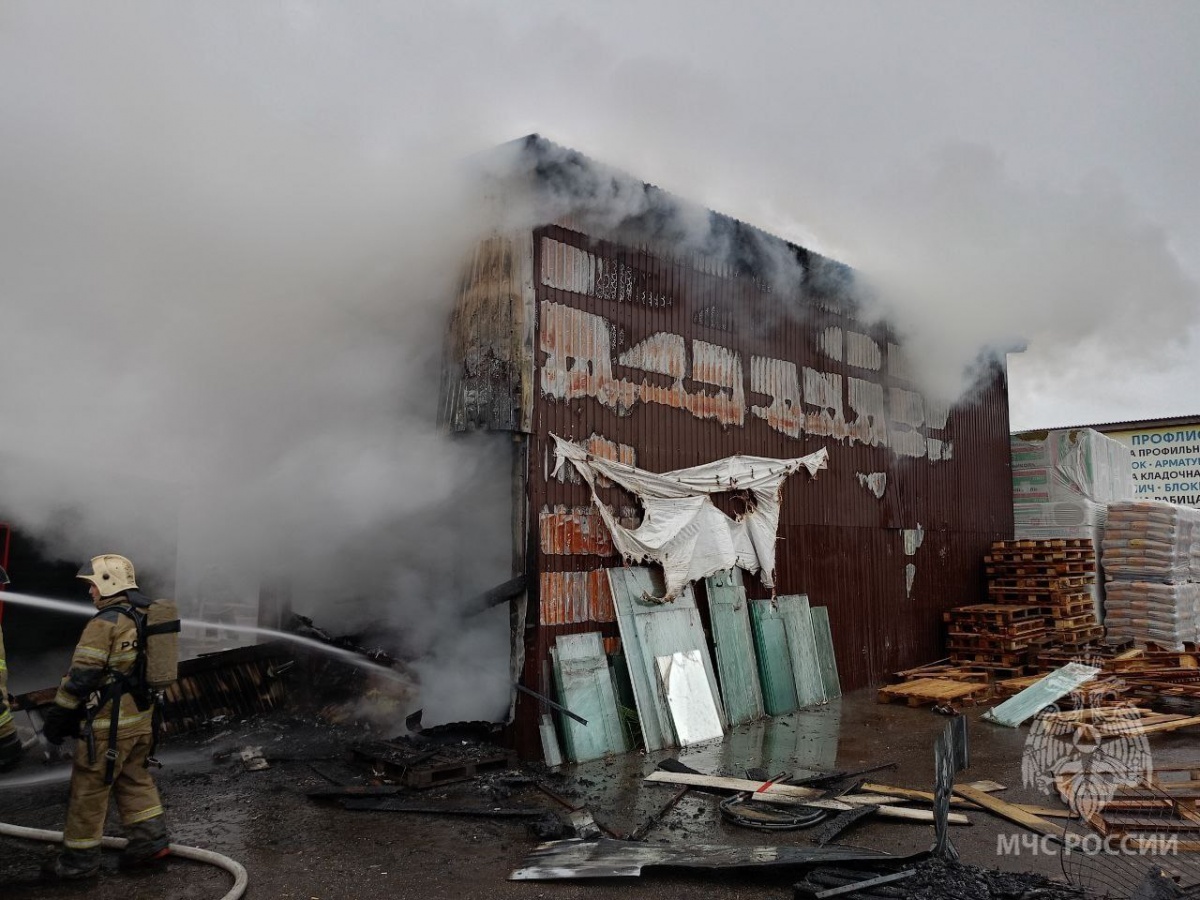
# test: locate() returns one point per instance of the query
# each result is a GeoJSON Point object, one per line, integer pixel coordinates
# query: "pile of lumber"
{"type": "Point", "coordinates": [1002, 638]}
{"type": "Point", "coordinates": [1056, 576]}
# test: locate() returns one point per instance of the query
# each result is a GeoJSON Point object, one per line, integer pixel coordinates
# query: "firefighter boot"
{"type": "Point", "coordinates": [10, 752]}
{"type": "Point", "coordinates": [148, 844]}
{"type": "Point", "coordinates": [73, 864]}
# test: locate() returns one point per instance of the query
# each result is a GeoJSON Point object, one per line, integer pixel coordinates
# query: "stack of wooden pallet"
{"type": "Point", "coordinates": [1003, 638]}
{"type": "Point", "coordinates": [1056, 576]}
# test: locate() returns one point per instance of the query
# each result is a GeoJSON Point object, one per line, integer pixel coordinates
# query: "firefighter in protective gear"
{"type": "Point", "coordinates": [104, 700]}
{"type": "Point", "coordinates": [10, 743]}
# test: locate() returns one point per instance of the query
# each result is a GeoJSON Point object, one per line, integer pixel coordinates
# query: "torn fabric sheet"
{"type": "Point", "coordinates": [681, 529]}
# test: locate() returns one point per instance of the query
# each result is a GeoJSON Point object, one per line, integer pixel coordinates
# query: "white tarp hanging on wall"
{"type": "Point", "coordinates": [682, 530]}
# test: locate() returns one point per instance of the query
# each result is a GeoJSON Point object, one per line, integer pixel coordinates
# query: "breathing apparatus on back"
{"type": "Point", "coordinates": [157, 620]}
{"type": "Point", "coordinates": [157, 668]}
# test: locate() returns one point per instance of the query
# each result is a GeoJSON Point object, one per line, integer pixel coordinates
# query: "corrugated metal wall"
{"type": "Point", "coordinates": [673, 363]}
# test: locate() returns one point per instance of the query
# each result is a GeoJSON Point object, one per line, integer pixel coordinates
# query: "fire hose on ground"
{"type": "Point", "coordinates": [234, 868]}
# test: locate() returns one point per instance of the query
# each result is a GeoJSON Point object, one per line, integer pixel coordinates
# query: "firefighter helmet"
{"type": "Point", "coordinates": [111, 574]}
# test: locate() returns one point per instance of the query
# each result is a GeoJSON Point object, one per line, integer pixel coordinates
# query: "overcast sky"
{"type": "Point", "coordinates": [1023, 171]}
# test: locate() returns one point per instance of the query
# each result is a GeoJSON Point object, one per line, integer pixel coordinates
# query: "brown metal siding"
{"type": "Point", "coordinates": [692, 364]}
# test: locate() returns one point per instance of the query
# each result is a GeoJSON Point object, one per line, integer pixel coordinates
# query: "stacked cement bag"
{"type": "Point", "coordinates": [1152, 560]}
{"type": "Point", "coordinates": [1153, 541]}
{"type": "Point", "coordinates": [1150, 612]}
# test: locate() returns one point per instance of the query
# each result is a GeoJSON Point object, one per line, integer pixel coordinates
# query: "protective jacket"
{"type": "Point", "coordinates": [107, 655]}
{"type": "Point", "coordinates": [110, 762]}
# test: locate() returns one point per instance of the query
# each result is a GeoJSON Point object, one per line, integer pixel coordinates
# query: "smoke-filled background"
{"type": "Point", "coordinates": [229, 235]}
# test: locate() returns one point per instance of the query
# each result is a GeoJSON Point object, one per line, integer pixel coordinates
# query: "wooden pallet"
{"type": "Point", "coordinates": [925, 691]}
{"type": "Point", "coordinates": [1016, 662]}
{"type": "Point", "coordinates": [1030, 629]}
{"type": "Point", "coordinates": [1043, 582]}
{"type": "Point", "coordinates": [1040, 570]}
{"type": "Point", "coordinates": [1077, 638]}
{"type": "Point", "coordinates": [1154, 805]}
{"type": "Point", "coordinates": [962, 642]}
{"type": "Point", "coordinates": [1095, 724]}
{"type": "Point", "coordinates": [943, 669]}
{"type": "Point", "coordinates": [1073, 621]}
{"type": "Point", "coordinates": [1034, 557]}
{"type": "Point", "coordinates": [1150, 659]}
{"type": "Point", "coordinates": [1047, 598]}
{"type": "Point", "coordinates": [1047, 544]}
{"type": "Point", "coordinates": [434, 774]}
{"type": "Point", "coordinates": [1007, 614]}
{"type": "Point", "coordinates": [999, 670]}
{"type": "Point", "coordinates": [1010, 687]}
{"type": "Point", "coordinates": [402, 765]}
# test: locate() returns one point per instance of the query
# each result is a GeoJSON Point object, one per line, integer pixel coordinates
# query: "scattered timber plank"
{"type": "Point", "coordinates": [916, 796]}
{"type": "Point", "coordinates": [1160, 727]}
{"type": "Point", "coordinates": [877, 881]}
{"type": "Point", "coordinates": [1011, 812]}
{"type": "Point", "coordinates": [799, 796]}
{"type": "Point", "coordinates": [841, 822]}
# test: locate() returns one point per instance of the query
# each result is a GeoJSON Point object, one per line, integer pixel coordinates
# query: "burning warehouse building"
{"type": "Point", "coordinates": [623, 325]}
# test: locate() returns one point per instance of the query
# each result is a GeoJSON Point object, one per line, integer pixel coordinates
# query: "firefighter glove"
{"type": "Point", "coordinates": [60, 723]}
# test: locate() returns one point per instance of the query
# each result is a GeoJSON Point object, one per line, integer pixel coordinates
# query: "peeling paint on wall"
{"type": "Point", "coordinates": [875, 482]}
{"type": "Point", "coordinates": [913, 538]}
{"type": "Point", "coordinates": [780, 381]}
{"type": "Point", "coordinates": [568, 268]}
{"type": "Point", "coordinates": [863, 352]}
{"type": "Point", "coordinates": [831, 343]}
{"type": "Point", "coordinates": [707, 381]}
{"type": "Point", "coordinates": [898, 365]}
{"type": "Point", "coordinates": [579, 364]}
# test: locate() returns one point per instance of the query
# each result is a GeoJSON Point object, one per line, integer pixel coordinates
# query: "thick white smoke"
{"type": "Point", "coordinates": [229, 235]}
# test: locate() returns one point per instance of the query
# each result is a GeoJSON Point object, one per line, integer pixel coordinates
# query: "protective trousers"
{"type": "Point", "coordinates": [7, 725]}
{"type": "Point", "coordinates": [137, 797]}
{"type": "Point", "coordinates": [10, 742]}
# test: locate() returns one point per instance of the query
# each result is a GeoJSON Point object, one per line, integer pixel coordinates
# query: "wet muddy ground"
{"type": "Point", "coordinates": [295, 847]}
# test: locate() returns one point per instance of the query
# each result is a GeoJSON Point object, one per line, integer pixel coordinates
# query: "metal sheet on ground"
{"type": "Point", "coordinates": [1015, 710]}
{"type": "Point", "coordinates": [649, 630]}
{"type": "Point", "coordinates": [806, 670]}
{"type": "Point", "coordinates": [825, 654]}
{"type": "Point", "coordinates": [774, 658]}
{"type": "Point", "coordinates": [693, 708]}
{"type": "Point", "coordinates": [737, 663]}
{"type": "Point", "coordinates": [586, 688]}
{"type": "Point", "coordinates": [615, 859]}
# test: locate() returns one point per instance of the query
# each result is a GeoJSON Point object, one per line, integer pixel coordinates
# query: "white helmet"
{"type": "Point", "coordinates": [111, 574]}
